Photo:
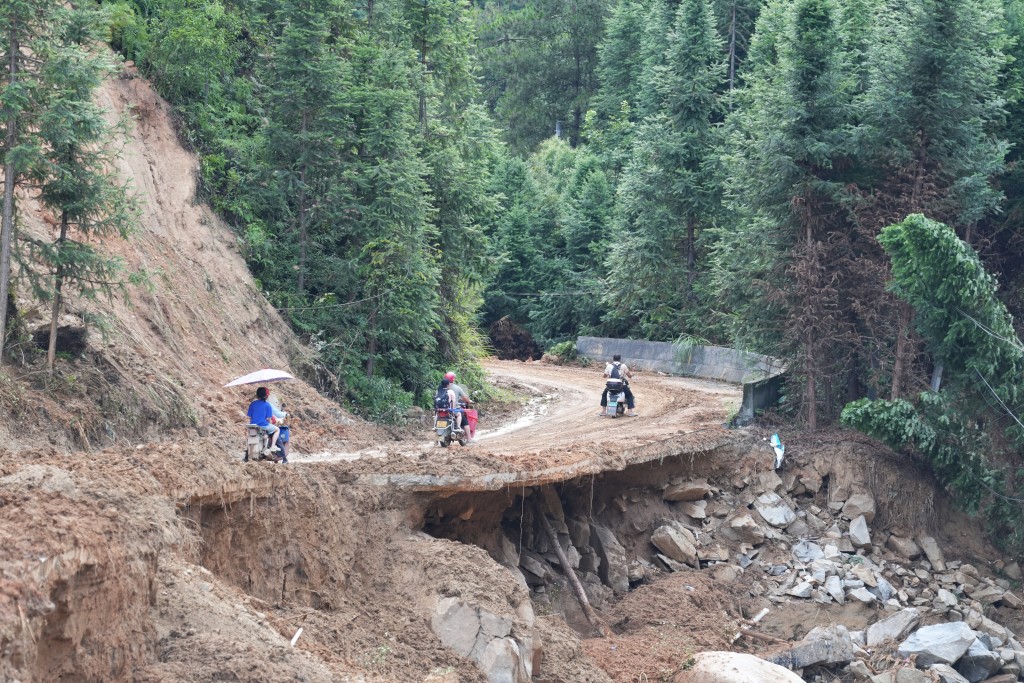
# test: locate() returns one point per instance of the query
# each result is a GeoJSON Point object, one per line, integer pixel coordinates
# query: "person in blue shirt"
{"type": "Point", "coordinates": [260, 412]}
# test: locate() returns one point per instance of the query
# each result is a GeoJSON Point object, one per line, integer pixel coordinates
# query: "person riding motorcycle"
{"type": "Point", "coordinates": [463, 401]}
{"type": "Point", "coordinates": [618, 370]}
{"type": "Point", "coordinates": [260, 413]}
{"type": "Point", "coordinates": [451, 403]}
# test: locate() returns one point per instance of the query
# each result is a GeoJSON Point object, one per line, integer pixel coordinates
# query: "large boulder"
{"type": "Point", "coordinates": [614, 570]}
{"type": "Point", "coordinates": [676, 542]}
{"type": "Point", "coordinates": [933, 552]}
{"type": "Point", "coordinates": [807, 552]}
{"type": "Point", "coordinates": [734, 667]}
{"type": "Point", "coordinates": [744, 529]}
{"type": "Point", "coordinates": [825, 646]}
{"type": "Point", "coordinates": [774, 510]}
{"type": "Point", "coordinates": [947, 674]}
{"type": "Point", "coordinates": [892, 628]}
{"type": "Point", "coordinates": [979, 663]}
{"type": "Point", "coordinates": [860, 535]}
{"type": "Point", "coordinates": [688, 491]}
{"type": "Point", "coordinates": [938, 643]}
{"type": "Point", "coordinates": [903, 546]}
{"type": "Point", "coordinates": [486, 638]}
{"type": "Point", "coordinates": [860, 504]}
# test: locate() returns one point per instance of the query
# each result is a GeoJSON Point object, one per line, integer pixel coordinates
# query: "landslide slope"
{"type": "Point", "coordinates": [155, 358]}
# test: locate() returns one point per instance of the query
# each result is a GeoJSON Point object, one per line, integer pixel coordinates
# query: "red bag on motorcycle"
{"type": "Point", "coordinates": [471, 417]}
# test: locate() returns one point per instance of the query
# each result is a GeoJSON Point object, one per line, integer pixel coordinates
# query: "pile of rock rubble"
{"type": "Point", "coordinates": [769, 533]}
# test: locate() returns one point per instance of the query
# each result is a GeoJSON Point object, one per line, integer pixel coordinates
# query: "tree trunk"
{"type": "Point", "coordinates": [691, 255]}
{"type": "Point", "coordinates": [937, 377]}
{"type": "Point", "coordinates": [58, 284]}
{"type": "Point", "coordinates": [902, 342]}
{"type": "Point", "coordinates": [574, 581]}
{"type": "Point", "coordinates": [7, 221]}
{"type": "Point", "coordinates": [732, 53]}
{"type": "Point", "coordinates": [371, 342]}
{"type": "Point", "coordinates": [303, 238]}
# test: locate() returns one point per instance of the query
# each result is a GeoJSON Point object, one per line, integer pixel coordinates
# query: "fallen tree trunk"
{"type": "Point", "coordinates": [574, 581]}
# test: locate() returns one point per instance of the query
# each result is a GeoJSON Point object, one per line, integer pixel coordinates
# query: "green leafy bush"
{"type": "Point", "coordinates": [565, 353]}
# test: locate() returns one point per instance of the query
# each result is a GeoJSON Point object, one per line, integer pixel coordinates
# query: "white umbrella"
{"type": "Point", "coordinates": [260, 377]}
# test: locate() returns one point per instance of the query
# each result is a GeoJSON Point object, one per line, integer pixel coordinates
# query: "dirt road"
{"type": "Point", "coordinates": [559, 435]}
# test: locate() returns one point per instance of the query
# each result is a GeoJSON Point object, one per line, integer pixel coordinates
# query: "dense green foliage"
{"type": "Point", "coordinates": [347, 143]}
{"type": "Point", "coordinates": [967, 430]}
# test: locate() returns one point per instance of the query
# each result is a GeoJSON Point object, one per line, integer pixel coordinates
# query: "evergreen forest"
{"type": "Point", "coordinates": [834, 183]}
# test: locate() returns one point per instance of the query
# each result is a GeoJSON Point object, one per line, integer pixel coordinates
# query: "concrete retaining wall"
{"type": "Point", "coordinates": [761, 376]}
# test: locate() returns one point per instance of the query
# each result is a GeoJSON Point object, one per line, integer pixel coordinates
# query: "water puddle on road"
{"type": "Point", "coordinates": [533, 411]}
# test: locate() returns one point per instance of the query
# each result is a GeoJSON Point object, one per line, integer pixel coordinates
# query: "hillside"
{"type": "Point", "coordinates": [158, 356]}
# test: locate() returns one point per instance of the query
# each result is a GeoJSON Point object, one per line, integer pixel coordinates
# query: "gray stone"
{"type": "Point", "coordinates": [860, 670]}
{"type": "Point", "coordinates": [882, 589]}
{"type": "Point", "coordinates": [902, 676]}
{"type": "Point", "coordinates": [614, 570]}
{"type": "Point", "coordinates": [500, 661]}
{"type": "Point", "coordinates": [860, 504]}
{"type": "Point", "coordinates": [978, 663]}
{"type": "Point", "coordinates": [726, 572]}
{"type": "Point", "coordinates": [944, 600]}
{"type": "Point", "coordinates": [493, 625]}
{"type": "Point", "coordinates": [861, 594]}
{"type": "Point", "coordinates": [579, 532]}
{"type": "Point", "coordinates": [903, 546]}
{"type": "Point", "coordinates": [808, 551]}
{"type": "Point", "coordinates": [746, 530]}
{"type": "Point", "coordinates": [822, 647]}
{"type": "Point", "coordinates": [676, 542]}
{"type": "Point", "coordinates": [938, 644]}
{"type": "Point", "coordinates": [801, 590]}
{"type": "Point", "coordinates": [696, 509]}
{"type": "Point", "coordinates": [834, 587]}
{"type": "Point", "coordinates": [734, 667]}
{"type": "Point", "coordinates": [989, 595]}
{"type": "Point", "coordinates": [894, 627]}
{"type": "Point", "coordinates": [1011, 600]}
{"type": "Point", "coordinates": [799, 529]}
{"type": "Point", "coordinates": [860, 535]}
{"type": "Point", "coordinates": [774, 510]}
{"type": "Point", "coordinates": [671, 564]}
{"type": "Point", "coordinates": [688, 491]}
{"type": "Point", "coordinates": [456, 624]}
{"type": "Point", "coordinates": [947, 674]}
{"type": "Point", "coordinates": [1013, 571]}
{"type": "Point", "coordinates": [933, 552]}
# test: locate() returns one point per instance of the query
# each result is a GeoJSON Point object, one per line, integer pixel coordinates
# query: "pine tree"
{"type": "Point", "coordinates": [540, 64]}
{"type": "Point", "coordinates": [669, 191]}
{"type": "Point", "coordinates": [304, 121]}
{"type": "Point", "coordinates": [75, 172]}
{"type": "Point", "coordinates": [26, 25]}
{"type": "Point", "coordinates": [929, 116]}
{"type": "Point", "coordinates": [789, 166]}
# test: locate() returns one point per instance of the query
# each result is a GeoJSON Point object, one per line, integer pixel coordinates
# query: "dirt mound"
{"type": "Point", "coordinates": [511, 342]}
{"type": "Point", "coordinates": [660, 626]}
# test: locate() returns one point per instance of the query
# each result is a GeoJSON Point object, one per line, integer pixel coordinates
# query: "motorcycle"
{"type": "Point", "coordinates": [616, 398]}
{"type": "Point", "coordinates": [257, 446]}
{"type": "Point", "coordinates": [444, 428]}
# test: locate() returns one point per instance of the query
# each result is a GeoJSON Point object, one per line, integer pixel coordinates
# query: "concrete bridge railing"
{"type": "Point", "coordinates": [761, 376]}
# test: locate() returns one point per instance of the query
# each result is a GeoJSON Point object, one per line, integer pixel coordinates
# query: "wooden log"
{"type": "Point", "coordinates": [574, 581]}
